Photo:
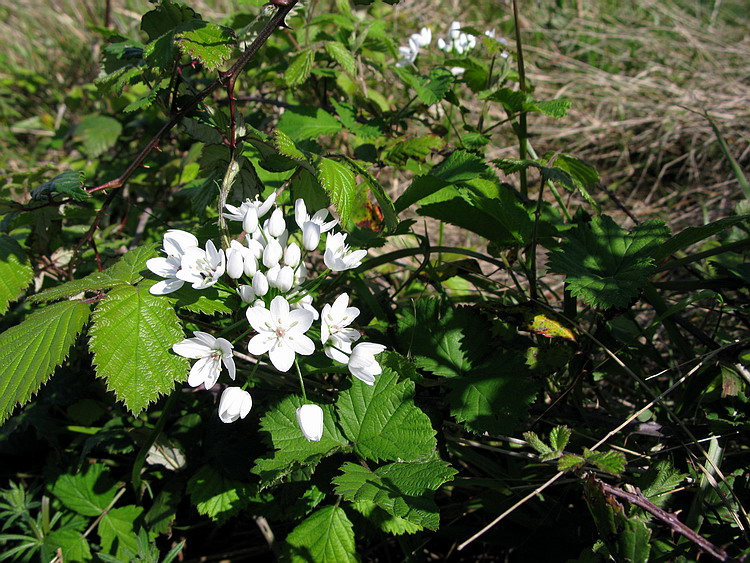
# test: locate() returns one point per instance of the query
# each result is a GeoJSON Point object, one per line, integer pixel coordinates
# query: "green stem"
{"type": "Point", "coordinates": [522, 130]}
{"type": "Point", "coordinates": [301, 381]}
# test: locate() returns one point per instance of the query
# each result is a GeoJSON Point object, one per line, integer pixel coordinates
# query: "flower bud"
{"type": "Point", "coordinates": [272, 253]}
{"type": "Point", "coordinates": [246, 293]}
{"type": "Point", "coordinates": [235, 263]}
{"type": "Point", "coordinates": [276, 223]}
{"type": "Point", "coordinates": [235, 403]}
{"type": "Point", "coordinates": [260, 284]}
{"type": "Point", "coordinates": [300, 274]}
{"type": "Point", "coordinates": [285, 279]}
{"type": "Point", "coordinates": [310, 235]}
{"type": "Point", "coordinates": [255, 247]}
{"type": "Point", "coordinates": [292, 255]}
{"type": "Point", "coordinates": [272, 274]}
{"type": "Point", "coordinates": [310, 420]}
{"type": "Point", "coordinates": [250, 221]}
{"type": "Point", "coordinates": [251, 264]}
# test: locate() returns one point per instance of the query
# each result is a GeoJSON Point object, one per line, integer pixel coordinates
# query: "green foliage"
{"type": "Point", "coordinates": [15, 271]}
{"type": "Point", "coordinates": [308, 123]}
{"type": "Point", "coordinates": [558, 439]}
{"type": "Point", "coordinates": [30, 351]}
{"type": "Point", "coordinates": [605, 265]}
{"type": "Point", "coordinates": [326, 536]}
{"type": "Point", "coordinates": [99, 133]}
{"type": "Point", "coordinates": [116, 531]}
{"type": "Point", "coordinates": [216, 496]}
{"type": "Point", "coordinates": [89, 493]}
{"type": "Point", "coordinates": [340, 182]}
{"type": "Point", "coordinates": [210, 44]}
{"type": "Point", "coordinates": [68, 183]}
{"type": "Point", "coordinates": [300, 68]}
{"type": "Point", "coordinates": [142, 366]}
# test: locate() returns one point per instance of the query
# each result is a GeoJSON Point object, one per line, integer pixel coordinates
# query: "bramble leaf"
{"type": "Point", "coordinates": [404, 490]}
{"type": "Point", "coordinates": [300, 68]}
{"type": "Point", "coordinates": [99, 133]}
{"type": "Point", "coordinates": [216, 496]}
{"type": "Point", "coordinates": [382, 421]}
{"type": "Point", "coordinates": [605, 265]}
{"type": "Point", "coordinates": [68, 183]}
{"type": "Point", "coordinates": [308, 123]}
{"type": "Point", "coordinates": [415, 147]}
{"type": "Point", "coordinates": [30, 351]}
{"type": "Point", "coordinates": [339, 53]}
{"type": "Point", "coordinates": [131, 337]}
{"type": "Point", "coordinates": [88, 492]}
{"type": "Point", "coordinates": [15, 271]}
{"type": "Point", "coordinates": [116, 531]}
{"type": "Point", "coordinates": [610, 461]}
{"type": "Point", "coordinates": [326, 536]}
{"type": "Point", "coordinates": [209, 43]}
{"type": "Point", "coordinates": [341, 185]}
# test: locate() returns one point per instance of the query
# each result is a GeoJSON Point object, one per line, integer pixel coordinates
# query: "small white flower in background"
{"type": "Point", "coordinates": [334, 334]}
{"type": "Point", "coordinates": [234, 403]}
{"type": "Point", "coordinates": [458, 42]}
{"type": "Point", "coordinates": [408, 54]}
{"type": "Point", "coordinates": [281, 332]}
{"type": "Point", "coordinates": [423, 38]}
{"type": "Point", "coordinates": [311, 227]}
{"type": "Point", "coordinates": [211, 353]}
{"type": "Point", "coordinates": [310, 420]}
{"type": "Point", "coordinates": [175, 244]}
{"type": "Point", "coordinates": [249, 212]}
{"type": "Point", "coordinates": [502, 40]}
{"type": "Point", "coordinates": [362, 362]}
{"type": "Point", "coordinates": [338, 256]}
{"type": "Point", "coordinates": [202, 268]}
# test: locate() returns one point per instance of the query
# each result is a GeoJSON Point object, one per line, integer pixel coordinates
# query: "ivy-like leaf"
{"type": "Point", "coordinates": [325, 537]}
{"type": "Point", "coordinates": [341, 185]}
{"type": "Point", "coordinates": [308, 123]}
{"type": "Point", "coordinates": [209, 43]}
{"type": "Point", "coordinates": [300, 68]}
{"type": "Point", "coordinates": [216, 496]}
{"type": "Point", "coordinates": [131, 338]}
{"type": "Point", "coordinates": [404, 490]}
{"type": "Point", "coordinates": [116, 531]}
{"type": "Point", "coordinates": [339, 53]}
{"type": "Point", "coordinates": [30, 351]}
{"type": "Point", "coordinates": [15, 271]}
{"type": "Point", "coordinates": [605, 265]}
{"type": "Point", "coordinates": [382, 421]}
{"type": "Point", "coordinates": [292, 449]}
{"type": "Point", "coordinates": [88, 492]}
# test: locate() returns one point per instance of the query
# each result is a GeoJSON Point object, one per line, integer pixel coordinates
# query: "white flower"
{"type": "Point", "coordinates": [260, 284]}
{"type": "Point", "coordinates": [285, 279]}
{"type": "Point", "coordinates": [211, 353]}
{"type": "Point", "coordinates": [276, 224]}
{"type": "Point", "coordinates": [423, 38]}
{"type": "Point", "coordinates": [502, 40]}
{"type": "Point", "coordinates": [280, 332]}
{"type": "Point", "coordinates": [235, 403]}
{"type": "Point", "coordinates": [292, 254]}
{"type": "Point", "coordinates": [272, 253]}
{"type": "Point", "coordinates": [310, 420]}
{"type": "Point", "coordinates": [175, 244]}
{"type": "Point", "coordinates": [306, 303]}
{"type": "Point", "coordinates": [458, 42]}
{"type": "Point", "coordinates": [334, 321]}
{"type": "Point", "coordinates": [312, 227]}
{"type": "Point", "coordinates": [236, 256]}
{"type": "Point", "coordinates": [408, 54]}
{"type": "Point", "coordinates": [362, 362]}
{"type": "Point", "coordinates": [338, 256]}
{"type": "Point", "coordinates": [246, 293]}
{"type": "Point", "coordinates": [202, 268]}
{"type": "Point", "coordinates": [249, 212]}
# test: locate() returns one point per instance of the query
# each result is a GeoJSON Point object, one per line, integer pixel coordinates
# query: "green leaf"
{"type": "Point", "coordinates": [559, 437]}
{"type": "Point", "coordinates": [165, 17]}
{"type": "Point", "coordinates": [416, 147]}
{"type": "Point", "coordinates": [73, 545]}
{"type": "Point", "coordinates": [116, 531]}
{"type": "Point", "coordinates": [384, 201]}
{"type": "Point", "coordinates": [308, 123]}
{"type": "Point", "coordinates": [404, 490]}
{"type": "Point", "coordinates": [127, 270]}
{"type": "Point", "coordinates": [436, 86]}
{"type": "Point", "coordinates": [458, 166]}
{"type": "Point", "coordinates": [382, 421]}
{"type": "Point", "coordinates": [131, 337]}
{"type": "Point", "coordinates": [605, 265]}
{"type": "Point", "coordinates": [292, 449]}
{"type": "Point", "coordinates": [209, 43]}
{"type": "Point", "coordinates": [570, 462]}
{"type": "Point", "coordinates": [216, 496]}
{"type": "Point", "coordinates": [512, 100]}
{"type": "Point", "coordinates": [536, 443]}
{"type": "Point", "coordinates": [340, 183]}
{"type": "Point", "coordinates": [286, 146]}
{"type": "Point", "coordinates": [68, 183]}
{"type": "Point", "coordinates": [660, 481]}
{"type": "Point", "coordinates": [493, 398]}
{"type": "Point", "coordinates": [99, 133]}
{"type": "Point", "coordinates": [15, 271]}
{"type": "Point", "coordinates": [553, 108]}
{"type": "Point", "coordinates": [348, 116]}
{"type": "Point", "coordinates": [339, 53]}
{"type": "Point", "coordinates": [30, 351]}
{"type": "Point", "coordinates": [610, 461]}
{"type": "Point", "coordinates": [208, 301]}
{"type": "Point", "coordinates": [88, 492]}
{"type": "Point", "coordinates": [326, 536]}
{"type": "Point", "coordinates": [386, 522]}
{"type": "Point", "coordinates": [693, 235]}
{"type": "Point", "coordinates": [299, 69]}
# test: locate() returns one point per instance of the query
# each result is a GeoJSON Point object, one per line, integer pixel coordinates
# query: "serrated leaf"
{"type": "Point", "coordinates": [116, 531]}
{"type": "Point", "coordinates": [127, 270]}
{"type": "Point", "coordinates": [570, 462]}
{"type": "Point", "coordinates": [459, 166]}
{"type": "Point", "coordinates": [308, 123]}
{"type": "Point", "coordinates": [661, 480]}
{"type": "Point", "coordinates": [71, 543]}
{"type": "Point", "coordinates": [493, 398]}
{"type": "Point", "coordinates": [131, 337]}
{"type": "Point", "coordinates": [384, 201]}
{"type": "Point", "coordinates": [99, 133]}
{"type": "Point", "coordinates": [286, 146]}
{"type": "Point", "coordinates": [146, 99]}
{"type": "Point", "coordinates": [512, 100]}
{"type": "Point", "coordinates": [536, 443]}
{"type": "Point", "coordinates": [416, 147]}
{"type": "Point", "coordinates": [339, 53]}
{"type": "Point", "coordinates": [88, 492]}
{"type": "Point", "coordinates": [610, 461]}
{"type": "Point", "coordinates": [208, 301]}
{"type": "Point", "coordinates": [30, 351]}
{"type": "Point", "coordinates": [404, 490]}
{"type": "Point", "coordinates": [553, 108]}
{"type": "Point", "coordinates": [325, 537]}
{"type": "Point", "coordinates": [68, 183]}
{"type": "Point", "coordinates": [348, 116]}
{"type": "Point", "coordinates": [165, 18]}
{"type": "Point", "coordinates": [340, 183]}
{"type": "Point", "coordinates": [436, 86]}
{"type": "Point", "coordinates": [559, 437]}
{"type": "Point", "coordinates": [15, 271]}
{"type": "Point", "coordinates": [299, 69]}
{"type": "Point", "coordinates": [386, 522]}
{"type": "Point", "coordinates": [216, 496]}
{"type": "Point", "coordinates": [693, 235]}
{"type": "Point", "coordinates": [209, 43]}
{"type": "Point", "coordinates": [292, 449]}
{"type": "Point", "coordinates": [605, 265]}
{"type": "Point", "coordinates": [382, 421]}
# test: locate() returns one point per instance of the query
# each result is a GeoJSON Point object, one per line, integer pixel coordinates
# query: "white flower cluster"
{"type": "Point", "coordinates": [281, 309]}
{"type": "Point", "coordinates": [457, 42]}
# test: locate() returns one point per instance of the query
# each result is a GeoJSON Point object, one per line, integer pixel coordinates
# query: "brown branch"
{"type": "Point", "coordinates": [277, 20]}
{"type": "Point", "coordinates": [668, 518]}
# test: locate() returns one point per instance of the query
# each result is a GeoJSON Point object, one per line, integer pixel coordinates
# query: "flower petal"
{"type": "Point", "coordinates": [166, 286]}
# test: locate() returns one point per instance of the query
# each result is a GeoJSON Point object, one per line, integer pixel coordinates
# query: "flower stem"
{"type": "Point", "coordinates": [301, 381]}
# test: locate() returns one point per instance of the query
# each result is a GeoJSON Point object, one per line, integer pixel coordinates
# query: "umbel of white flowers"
{"type": "Point", "coordinates": [272, 264]}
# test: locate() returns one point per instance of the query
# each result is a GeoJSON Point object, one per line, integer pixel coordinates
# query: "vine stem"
{"type": "Point", "coordinates": [224, 79]}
